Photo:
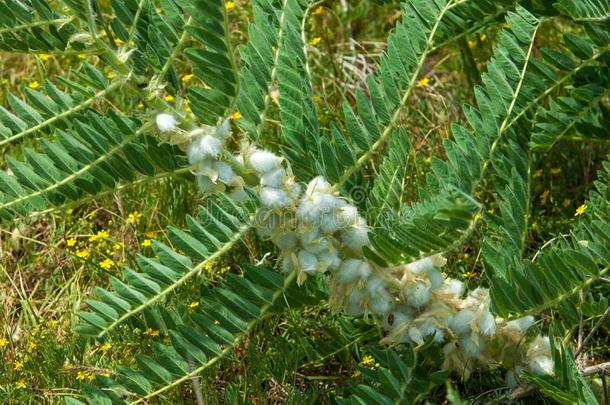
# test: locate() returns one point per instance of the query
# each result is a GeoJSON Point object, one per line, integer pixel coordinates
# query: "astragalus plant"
{"type": "Point", "coordinates": [267, 167]}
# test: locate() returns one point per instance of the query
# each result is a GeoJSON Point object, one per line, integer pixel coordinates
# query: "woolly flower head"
{"type": "Point", "coordinates": [356, 236]}
{"type": "Point", "coordinates": [417, 294]}
{"type": "Point", "coordinates": [521, 325]}
{"type": "Point", "coordinates": [264, 161]}
{"type": "Point", "coordinates": [426, 264]}
{"type": "Point", "coordinates": [202, 147]}
{"type": "Point", "coordinates": [166, 122]}
{"type": "Point", "coordinates": [274, 197]}
{"type": "Point", "coordinates": [224, 130]}
{"type": "Point", "coordinates": [318, 185]}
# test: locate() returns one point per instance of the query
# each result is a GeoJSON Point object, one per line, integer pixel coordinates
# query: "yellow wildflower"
{"type": "Point", "coordinates": [82, 375]}
{"type": "Point", "coordinates": [107, 264]}
{"type": "Point", "coordinates": [53, 323]}
{"type": "Point", "coordinates": [230, 5]}
{"type": "Point", "coordinates": [119, 41]}
{"type": "Point", "coordinates": [3, 342]}
{"type": "Point", "coordinates": [111, 75]}
{"type": "Point", "coordinates": [581, 210]}
{"type": "Point", "coordinates": [483, 37]}
{"type": "Point", "coordinates": [423, 82]}
{"type": "Point", "coordinates": [469, 274]}
{"type": "Point", "coordinates": [118, 246]}
{"type": "Point", "coordinates": [150, 234]}
{"type": "Point", "coordinates": [21, 384]}
{"type": "Point", "coordinates": [187, 78]}
{"type": "Point", "coordinates": [319, 10]}
{"type": "Point", "coordinates": [169, 98]}
{"type": "Point", "coordinates": [151, 332]}
{"type": "Point", "coordinates": [187, 107]}
{"type": "Point", "coordinates": [99, 236]}
{"type": "Point", "coordinates": [44, 56]}
{"type": "Point", "coordinates": [193, 305]}
{"type": "Point", "coordinates": [32, 346]}
{"type": "Point", "coordinates": [71, 242]}
{"type": "Point", "coordinates": [105, 347]}
{"type": "Point", "coordinates": [224, 269]}
{"type": "Point", "coordinates": [369, 362]}
{"type": "Point", "coordinates": [472, 43]}
{"type": "Point", "coordinates": [34, 84]}
{"type": "Point", "coordinates": [134, 217]}
{"type": "Point", "coordinates": [236, 115]}
{"type": "Point", "coordinates": [315, 41]}
{"type": "Point", "coordinates": [555, 170]}
{"type": "Point", "coordinates": [18, 364]}
{"type": "Point", "coordinates": [544, 196]}
{"type": "Point", "coordinates": [159, 10]}
{"type": "Point", "coordinates": [83, 253]}
{"type": "Point", "coordinates": [208, 266]}
{"type": "Point", "coordinates": [69, 211]}
{"type": "Point", "coordinates": [147, 243]}
{"type": "Point", "coordinates": [141, 105]}
{"type": "Point", "coordinates": [538, 173]}
{"type": "Point", "coordinates": [81, 56]}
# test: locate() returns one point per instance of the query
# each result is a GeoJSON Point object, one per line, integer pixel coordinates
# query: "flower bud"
{"type": "Point", "coordinates": [274, 198]}
{"type": "Point", "coordinates": [263, 161]}
{"type": "Point", "coordinates": [417, 294]}
{"type": "Point", "coordinates": [166, 122]}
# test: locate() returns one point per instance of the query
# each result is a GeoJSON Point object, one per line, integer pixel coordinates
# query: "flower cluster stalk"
{"type": "Point", "coordinates": [318, 231]}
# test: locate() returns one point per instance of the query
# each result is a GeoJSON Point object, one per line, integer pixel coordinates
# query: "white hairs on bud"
{"type": "Point", "coordinates": [287, 265]}
{"type": "Point", "coordinates": [329, 259]}
{"type": "Point", "coordinates": [436, 279]}
{"type": "Point", "coordinates": [225, 172]}
{"type": "Point", "coordinates": [166, 122]}
{"type": "Point", "coordinates": [417, 294]}
{"type": "Point", "coordinates": [428, 329]}
{"type": "Point", "coordinates": [460, 322]}
{"type": "Point", "coordinates": [224, 130]}
{"type": "Point", "coordinates": [274, 197]}
{"type": "Point", "coordinates": [308, 262]}
{"type": "Point", "coordinates": [421, 266]}
{"type": "Point", "coordinates": [205, 184]}
{"type": "Point", "coordinates": [380, 304]}
{"type": "Point", "coordinates": [453, 287]}
{"type": "Point", "coordinates": [472, 345]}
{"type": "Point", "coordinates": [486, 323]}
{"type": "Point", "coordinates": [364, 270]}
{"type": "Point", "coordinates": [348, 272]}
{"type": "Point", "coordinates": [274, 178]}
{"type": "Point", "coordinates": [522, 324]}
{"type": "Point", "coordinates": [202, 147]}
{"type": "Point", "coordinates": [356, 236]}
{"type": "Point", "coordinates": [318, 185]}
{"type": "Point", "coordinates": [263, 161]}
{"type": "Point", "coordinates": [315, 245]}
{"type": "Point", "coordinates": [286, 241]}
{"type": "Point", "coordinates": [541, 365]}
{"type": "Point", "coordinates": [348, 215]}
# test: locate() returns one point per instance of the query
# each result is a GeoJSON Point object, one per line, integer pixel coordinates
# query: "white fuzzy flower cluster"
{"type": "Point", "coordinates": [277, 188]}
{"type": "Point", "coordinates": [317, 231]}
{"type": "Point", "coordinates": [205, 149]}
